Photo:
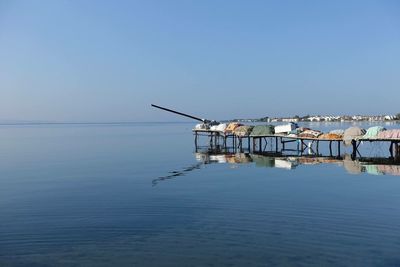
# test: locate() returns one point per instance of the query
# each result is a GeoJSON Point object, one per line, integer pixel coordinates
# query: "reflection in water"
{"type": "Point", "coordinates": [375, 166]}
{"type": "Point", "coordinates": [174, 174]}
{"type": "Point", "coordinates": [213, 156]}
{"type": "Point", "coordinates": [370, 165]}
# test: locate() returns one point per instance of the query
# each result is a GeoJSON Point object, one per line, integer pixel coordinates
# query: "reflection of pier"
{"type": "Point", "coordinates": [271, 159]}
{"type": "Point", "coordinates": [174, 174]}
{"type": "Point", "coordinates": [279, 141]}
{"type": "Point", "coordinates": [285, 160]}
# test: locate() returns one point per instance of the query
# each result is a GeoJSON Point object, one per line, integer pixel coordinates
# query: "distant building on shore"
{"type": "Point", "coordinates": [332, 118]}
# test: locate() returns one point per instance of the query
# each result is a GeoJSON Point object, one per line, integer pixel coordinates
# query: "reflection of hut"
{"type": "Point", "coordinates": [284, 164]}
{"type": "Point", "coordinates": [218, 158]}
{"type": "Point", "coordinates": [242, 158]}
{"type": "Point", "coordinates": [352, 166]}
{"type": "Point", "coordinates": [374, 166]}
{"type": "Point", "coordinates": [230, 158]}
{"type": "Point", "coordinates": [293, 159]}
{"type": "Point", "coordinates": [331, 160]}
{"type": "Point", "coordinates": [389, 169]}
{"type": "Point", "coordinates": [263, 161]}
{"type": "Point", "coordinates": [203, 157]}
{"type": "Point", "coordinates": [308, 160]}
{"type": "Point", "coordinates": [372, 169]}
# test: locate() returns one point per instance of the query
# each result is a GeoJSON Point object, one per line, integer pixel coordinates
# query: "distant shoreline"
{"type": "Point", "coordinates": [319, 118]}
{"type": "Point", "coordinates": [89, 123]}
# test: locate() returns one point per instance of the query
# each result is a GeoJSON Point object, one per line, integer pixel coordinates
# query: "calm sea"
{"type": "Point", "coordinates": [139, 195]}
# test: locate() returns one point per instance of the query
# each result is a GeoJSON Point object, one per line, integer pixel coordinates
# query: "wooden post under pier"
{"type": "Point", "coordinates": [354, 144]}
{"type": "Point", "coordinates": [394, 149]}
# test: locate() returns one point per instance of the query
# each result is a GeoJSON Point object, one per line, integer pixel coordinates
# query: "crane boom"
{"type": "Point", "coordinates": [180, 113]}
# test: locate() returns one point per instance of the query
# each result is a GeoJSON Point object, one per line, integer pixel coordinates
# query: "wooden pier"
{"type": "Point", "coordinates": [394, 148]}
{"type": "Point", "coordinates": [240, 142]}
{"type": "Point", "coordinates": [259, 143]}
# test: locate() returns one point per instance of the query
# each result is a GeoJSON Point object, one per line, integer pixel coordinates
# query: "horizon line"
{"type": "Point", "coordinates": [82, 122]}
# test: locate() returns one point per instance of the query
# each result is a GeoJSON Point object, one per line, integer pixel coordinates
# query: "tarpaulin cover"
{"type": "Point", "coordinates": [285, 128]}
{"type": "Point", "coordinates": [243, 130]}
{"type": "Point", "coordinates": [330, 136]}
{"type": "Point", "coordinates": [338, 132]}
{"type": "Point", "coordinates": [219, 128]}
{"type": "Point", "coordinates": [297, 131]}
{"type": "Point", "coordinates": [373, 132]}
{"type": "Point", "coordinates": [310, 134]}
{"type": "Point", "coordinates": [231, 127]}
{"type": "Point", "coordinates": [202, 126]}
{"type": "Point", "coordinates": [352, 133]}
{"type": "Point", "coordinates": [389, 134]}
{"type": "Point", "coordinates": [262, 130]}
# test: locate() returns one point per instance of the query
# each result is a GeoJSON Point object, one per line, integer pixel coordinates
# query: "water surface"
{"type": "Point", "coordinates": [139, 195]}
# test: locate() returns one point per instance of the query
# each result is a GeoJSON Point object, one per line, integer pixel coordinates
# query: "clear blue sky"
{"type": "Point", "coordinates": [108, 60]}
